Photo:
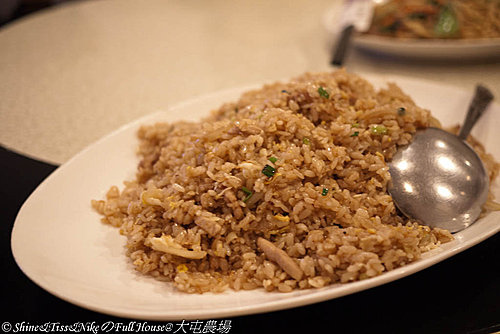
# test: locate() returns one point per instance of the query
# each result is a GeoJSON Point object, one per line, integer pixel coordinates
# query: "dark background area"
{"type": "Point", "coordinates": [11, 10]}
{"type": "Point", "coordinates": [458, 295]}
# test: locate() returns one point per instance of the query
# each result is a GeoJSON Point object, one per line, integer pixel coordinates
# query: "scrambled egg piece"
{"type": "Point", "coordinates": [166, 244]}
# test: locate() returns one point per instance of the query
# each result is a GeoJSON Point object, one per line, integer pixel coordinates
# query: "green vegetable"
{"type": "Point", "coordinates": [246, 190]}
{"type": "Point", "coordinates": [401, 111]}
{"type": "Point", "coordinates": [284, 91]}
{"type": "Point", "coordinates": [273, 159]}
{"type": "Point", "coordinates": [355, 134]}
{"type": "Point", "coordinates": [306, 141]}
{"type": "Point", "coordinates": [268, 171]}
{"type": "Point", "coordinates": [324, 192]}
{"type": "Point", "coordinates": [323, 93]}
{"type": "Point", "coordinates": [379, 130]}
{"type": "Point", "coordinates": [248, 193]}
{"type": "Point", "coordinates": [447, 23]}
{"type": "Point", "coordinates": [355, 125]}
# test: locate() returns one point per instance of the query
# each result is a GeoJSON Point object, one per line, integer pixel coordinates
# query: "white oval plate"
{"type": "Point", "coordinates": [437, 49]}
{"type": "Point", "coordinates": [59, 242]}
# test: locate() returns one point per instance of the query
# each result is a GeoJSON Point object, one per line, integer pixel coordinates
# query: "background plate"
{"type": "Point", "coordinates": [457, 49]}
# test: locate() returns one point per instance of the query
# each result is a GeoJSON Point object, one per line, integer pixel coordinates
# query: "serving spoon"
{"type": "Point", "coordinates": [438, 179]}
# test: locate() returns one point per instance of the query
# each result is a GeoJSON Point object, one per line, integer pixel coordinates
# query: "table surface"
{"type": "Point", "coordinates": [75, 72]}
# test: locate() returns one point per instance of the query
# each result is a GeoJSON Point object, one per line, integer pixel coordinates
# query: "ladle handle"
{"type": "Point", "coordinates": [481, 100]}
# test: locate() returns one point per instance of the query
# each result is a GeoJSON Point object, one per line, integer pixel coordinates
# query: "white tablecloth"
{"type": "Point", "coordinates": [72, 73]}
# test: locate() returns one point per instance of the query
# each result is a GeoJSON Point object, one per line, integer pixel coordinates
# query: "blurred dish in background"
{"type": "Point", "coordinates": [467, 19]}
{"type": "Point", "coordinates": [434, 29]}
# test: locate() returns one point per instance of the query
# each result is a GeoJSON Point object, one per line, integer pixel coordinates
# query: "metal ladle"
{"type": "Point", "coordinates": [438, 179]}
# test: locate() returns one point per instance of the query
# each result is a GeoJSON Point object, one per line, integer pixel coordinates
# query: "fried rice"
{"type": "Point", "coordinates": [284, 189]}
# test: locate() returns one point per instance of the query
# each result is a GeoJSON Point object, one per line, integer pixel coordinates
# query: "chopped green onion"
{"type": "Point", "coordinates": [401, 111]}
{"type": "Point", "coordinates": [324, 192]}
{"type": "Point", "coordinates": [273, 159]}
{"type": "Point", "coordinates": [323, 93]}
{"type": "Point", "coordinates": [306, 141]}
{"type": "Point", "coordinates": [447, 24]}
{"type": "Point", "coordinates": [355, 134]}
{"type": "Point", "coordinates": [268, 171]}
{"type": "Point", "coordinates": [247, 197]}
{"type": "Point", "coordinates": [248, 193]}
{"type": "Point", "coordinates": [379, 130]}
{"type": "Point", "coordinates": [246, 190]}
{"type": "Point", "coordinates": [355, 125]}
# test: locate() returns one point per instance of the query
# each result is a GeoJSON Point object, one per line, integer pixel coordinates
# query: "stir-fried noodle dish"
{"type": "Point", "coordinates": [469, 19]}
{"type": "Point", "coordinates": [284, 189]}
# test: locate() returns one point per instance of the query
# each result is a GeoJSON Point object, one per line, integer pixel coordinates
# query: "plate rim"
{"type": "Point", "coordinates": [431, 42]}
